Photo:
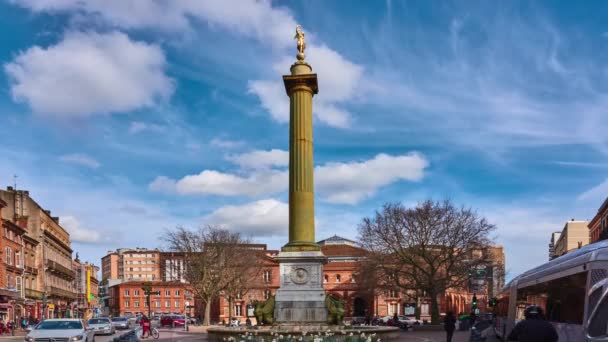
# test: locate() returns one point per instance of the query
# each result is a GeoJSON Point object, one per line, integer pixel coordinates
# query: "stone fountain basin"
{"type": "Point", "coordinates": [218, 334]}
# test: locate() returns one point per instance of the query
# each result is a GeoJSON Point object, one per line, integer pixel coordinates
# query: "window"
{"type": "Point", "coordinates": [136, 303]}
{"type": "Point", "coordinates": [266, 276]}
{"type": "Point", "coordinates": [10, 235]}
{"type": "Point", "coordinates": [167, 304]}
{"type": "Point", "coordinates": [266, 294]}
{"type": "Point", "coordinates": [393, 294]}
{"type": "Point", "coordinates": [9, 254]}
{"type": "Point", "coordinates": [326, 278]}
{"type": "Point", "coordinates": [598, 326]}
{"type": "Point", "coordinates": [18, 259]}
{"type": "Point", "coordinates": [338, 278]}
{"type": "Point", "coordinates": [127, 293]}
{"type": "Point", "coordinates": [562, 299]}
{"type": "Point", "coordinates": [157, 294]}
{"type": "Point", "coordinates": [127, 303]}
{"type": "Point", "coordinates": [177, 293]}
{"type": "Point", "coordinates": [157, 304]}
{"type": "Point", "coordinates": [177, 303]}
{"type": "Point", "coordinates": [167, 293]}
{"type": "Point", "coordinates": [136, 292]}
{"type": "Point", "coordinates": [145, 303]}
{"type": "Point", "coordinates": [237, 310]}
{"type": "Point", "coordinates": [18, 285]}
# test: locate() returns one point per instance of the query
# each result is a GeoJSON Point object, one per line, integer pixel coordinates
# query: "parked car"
{"type": "Point", "coordinates": [234, 322]}
{"type": "Point", "coordinates": [409, 320]}
{"type": "Point", "coordinates": [102, 326]}
{"type": "Point", "coordinates": [63, 329]}
{"type": "Point", "coordinates": [120, 323]}
{"type": "Point", "coordinates": [172, 321]}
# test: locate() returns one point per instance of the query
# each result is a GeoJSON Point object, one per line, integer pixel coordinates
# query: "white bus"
{"type": "Point", "coordinates": [572, 290]}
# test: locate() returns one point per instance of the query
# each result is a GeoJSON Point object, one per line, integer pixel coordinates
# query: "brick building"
{"type": "Point", "coordinates": [128, 299]}
{"type": "Point", "coordinates": [340, 276]}
{"type": "Point", "coordinates": [129, 264]}
{"type": "Point", "coordinates": [44, 260]}
{"type": "Point", "coordinates": [598, 226]}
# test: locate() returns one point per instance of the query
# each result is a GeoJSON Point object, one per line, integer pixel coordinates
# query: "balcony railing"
{"type": "Point", "coordinates": [57, 292]}
{"type": "Point", "coordinates": [33, 294]}
{"type": "Point", "coordinates": [61, 270]}
{"type": "Point", "coordinates": [31, 270]}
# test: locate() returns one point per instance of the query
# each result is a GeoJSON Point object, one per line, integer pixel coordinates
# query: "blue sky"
{"type": "Point", "coordinates": [127, 118]}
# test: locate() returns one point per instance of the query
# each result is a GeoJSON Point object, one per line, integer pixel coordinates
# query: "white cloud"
{"type": "Point", "coordinates": [257, 19]}
{"type": "Point", "coordinates": [338, 81]}
{"type": "Point", "coordinates": [225, 143]}
{"type": "Point", "coordinates": [138, 126]}
{"type": "Point", "coordinates": [211, 182]}
{"type": "Point", "coordinates": [80, 159]}
{"type": "Point", "coordinates": [77, 233]}
{"type": "Point", "coordinates": [260, 218]}
{"type": "Point", "coordinates": [351, 182]}
{"type": "Point", "coordinates": [347, 183]}
{"type": "Point", "coordinates": [259, 159]}
{"type": "Point", "coordinates": [89, 73]}
{"type": "Point", "coordinates": [596, 194]}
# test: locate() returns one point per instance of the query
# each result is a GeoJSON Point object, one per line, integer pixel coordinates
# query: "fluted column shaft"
{"type": "Point", "coordinates": [301, 88]}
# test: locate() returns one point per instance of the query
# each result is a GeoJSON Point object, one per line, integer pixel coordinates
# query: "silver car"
{"type": "Point", "coordinates": [61, 330]}
{"type": "Point", "coordinates": [120, 323]}
{"type": "Point", "coordinates": [102, 326]}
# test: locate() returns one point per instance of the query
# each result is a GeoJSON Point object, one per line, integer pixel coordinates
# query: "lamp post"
{"type": "Point", "coordinates": [147, 288]}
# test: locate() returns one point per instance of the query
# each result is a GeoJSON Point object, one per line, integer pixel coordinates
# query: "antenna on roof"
{"type": "Point", "coordinates": [15, 181]}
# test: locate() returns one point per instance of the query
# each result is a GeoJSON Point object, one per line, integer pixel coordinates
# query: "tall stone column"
{"type": "Point", "coordinates": [301, 86]}
{"type": "Point", "coordinates": [301, 297]}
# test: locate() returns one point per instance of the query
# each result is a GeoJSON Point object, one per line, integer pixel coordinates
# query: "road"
{"type": "Point", "coordinates": [179, 335]}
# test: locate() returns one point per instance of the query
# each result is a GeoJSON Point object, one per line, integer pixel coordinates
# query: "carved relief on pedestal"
{"type": "Point", "coordinates": [299, 276]}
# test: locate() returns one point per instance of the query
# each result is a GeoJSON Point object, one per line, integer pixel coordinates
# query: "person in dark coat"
{"type": "Point", "coordinates": [449, 324]}
{"type": "Point", "coordinates": [534, 328]}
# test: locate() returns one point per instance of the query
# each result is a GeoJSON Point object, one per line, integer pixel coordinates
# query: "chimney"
{"type": "Point", "coordinates": [55, 218]}
{"type": "Point", "coordinates": [9, 188]}
{"type": "Point", "coordinates": [48, 212]}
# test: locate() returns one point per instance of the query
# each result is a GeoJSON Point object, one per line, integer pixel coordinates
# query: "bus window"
{"type": "Point", "coordinates": [562, 299]}
{"type": "Point", "coordinates": [598, 326]}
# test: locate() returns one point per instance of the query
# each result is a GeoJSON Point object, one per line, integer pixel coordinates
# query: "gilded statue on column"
{"type": "Point", "coordinates": [301, 42]}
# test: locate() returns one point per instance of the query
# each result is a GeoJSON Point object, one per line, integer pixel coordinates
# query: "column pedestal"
{"type": "Point", "coordinates": [301, 298]}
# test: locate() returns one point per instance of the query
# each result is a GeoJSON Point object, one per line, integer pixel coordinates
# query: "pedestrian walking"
{"type": "Point", "coordinates": [534, 328]}
{"type": "Point", "coordinates": [449, 324]}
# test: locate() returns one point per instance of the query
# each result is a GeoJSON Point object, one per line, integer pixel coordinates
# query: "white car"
{"type": "Point", "coordinates": [409, 320]}
{"type": "Point", "coordinates": [62, 330]}
{"type": "Point", "coordinates": [102, 326]}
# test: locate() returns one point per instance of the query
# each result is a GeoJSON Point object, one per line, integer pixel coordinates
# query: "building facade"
{"type": "Point", "coordinates": [126, 264]}
{"type": "Point", "coordinates": [86, 286]}
{"type": "Point", "coordinates": [574, 235]}
{"type": "Point", "coordinates": [598, 226]}
{"type": "Point", "coordinates": [128, 299]}
{"type": "Point", "coordinates": [341, 278]}
{"type": "Point", "coordinates": [43, 268]}
{"type": "Point", "coordinates": [552, 242]}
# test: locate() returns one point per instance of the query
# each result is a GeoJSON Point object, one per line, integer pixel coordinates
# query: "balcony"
{"type": "Point", "coordinates": [33, 294]}
{"type": "Point", "coordinates": [57, 292]}
{"type": "Point", "coordinates": [60, 270]}
{"type": "Point", "coordinates": [31, 270]}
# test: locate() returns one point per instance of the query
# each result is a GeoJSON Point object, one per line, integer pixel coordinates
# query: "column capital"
{"type": "Point", "coordinates": [293, 82]}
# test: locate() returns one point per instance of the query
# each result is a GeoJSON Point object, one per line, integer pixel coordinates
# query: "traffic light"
{"type": "Point", "coordinates": [474, 301]}
{"type": "Point", "coordinates": [493, 302]}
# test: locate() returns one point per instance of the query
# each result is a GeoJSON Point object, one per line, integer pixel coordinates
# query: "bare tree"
{"type": "Point", "coordinates": [214, 261]}
{"type": "Point", "coordinates": [427, 249]}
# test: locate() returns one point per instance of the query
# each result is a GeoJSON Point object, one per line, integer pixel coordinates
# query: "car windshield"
{"type": "Point", "coordinates": [119, 319]}
{"type": "Point", "coordinates": [99, 321]}
{"type": "Point", "coordinates": [59, 325]}
{"type": "Point", "coordinates": [178, 317]}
